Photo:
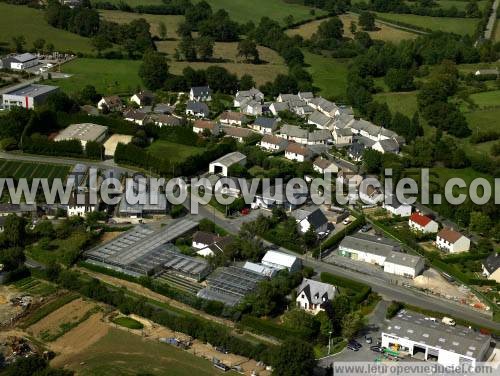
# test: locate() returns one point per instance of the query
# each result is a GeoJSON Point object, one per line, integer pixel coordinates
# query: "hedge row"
{"type": "Point", "coordinates": [337, 238]}
{"type": "Point", "coordinates": [361, 290]}
{"type": "Point", "coordinates": [270, 328]}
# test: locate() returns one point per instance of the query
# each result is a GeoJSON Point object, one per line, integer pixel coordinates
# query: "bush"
{"type": "Point", "coordinates": [393, 309]}
{"type": "Point", "coordinates": [267, 327]}
{"type": "Point", "coordinates": [337, 238]}
{"type": "Point", "coordinates": [128, 322]}
{"type": "Point", "coordinates": [360, 289]}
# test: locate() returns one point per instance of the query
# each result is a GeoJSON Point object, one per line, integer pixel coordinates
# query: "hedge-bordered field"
{"type": "Point", "coordinates": [29, 170]}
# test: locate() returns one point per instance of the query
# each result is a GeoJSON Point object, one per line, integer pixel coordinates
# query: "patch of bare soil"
{"type": "Point", "coordinates": [84, 335]}
{"type": "Point", "coordinates": [71, 312]}
{"type": "Point", "coordinates": [7, 310]}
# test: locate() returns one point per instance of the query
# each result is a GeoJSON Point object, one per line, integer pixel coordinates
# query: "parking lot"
{"type": "Point", "coordinates": [373, 330]}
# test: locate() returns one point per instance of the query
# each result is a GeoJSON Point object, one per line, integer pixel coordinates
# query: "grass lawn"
{"type": "Point", "coordinates": [487, 99]}
{"type": "Point", "coordinates": [172, 151]}
{"type": "Point", "coordinates": [128, 322]}
{"type": "Point", "coordinates": [29, 170]}
{"type": "Point", "coordinates": [453, 25]}
{"type": "Point", "coordinates": [170, 21]}
{"type": "Point", "coordinates": [329, 75]}
{"type": "Point", "coordinates": [384, 32]}
{"type": "Point", "coordinates": [459, 4]}
{"type": "Point", "coordinates": [122, 353]}
{"type": "Point", "coordinates": [244, 11]}
{"type": "Point", "coordinates": [18, 20]}
{"type": "Point", "coordinates": [132, 3]}
{"type": "Point", "coordinates": [404, 102]}
{"type": "Point", "coordinates": [108, 76]}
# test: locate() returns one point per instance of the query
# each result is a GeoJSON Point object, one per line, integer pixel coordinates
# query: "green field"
{"type": "Point", "coordinates": [453, 25]}
{"type": "Point", "coordinates": [34, 286]}
{"type": "Point", "coordinates": [405, 102]}
{"type": "Point", "coordinates": [128, 322]}
{"type": "Point", "coordinates": [132, 3]}
{"type": "Point", "coordinates": [108, 76]}
{"type": "Point", "coordinates": [172, 151]}
{"type": "Point", "coordinates": [122, 353]}
{"type": "Point", "coordinates": [171, 21]}
{"type": "Point", "coordinates": [487, 99]}
{"type": "Point", "coordinates": [459, 4]}
{"type": "Point", "coordinates": [329, 75]}
{"type": "Point", "coordinates": [20, 20]}
{"type": "Point", "coordinates": [30, 170]}
{"type": "Point", "coordinates": [244, 11]}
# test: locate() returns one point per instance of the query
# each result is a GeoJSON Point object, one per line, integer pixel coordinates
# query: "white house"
{"type": "Point", "coordinates": [200, 93]}
{"type": "Point", "coordinates": [142, 98]}
{"type": "Point", "coordinates": [79, 205]}
{"type": "Point", "coordinates": [421, 223]}
{"type": "Point", "coordinates": [313, 296]}
{"type": "Point", "coordinates": [203, 239]}
{"type": "Point", "coordinates": [112, 103]}
{"type": "Point", "coordinates": [386, 146]}
{"type": "Point", "coordinates": [395, 207]}
{"type": "Point", "coordinates": [491, 266]}
{"type": "Point", "coordinates": [197, 109]}
{"type": "Point", "coordinates": [323, 166]}
{"type": "Point", "coordinates": [273, 143]}
{"type": "Point", "coordinates": [251, 107]}
{"type": "Point", "coordinates": [222, 165]}
{"type": "Point", "coordinates": [264, 125]}
{"type": "Point", "coordinates": [237, 133]}
{"type": "Point", "coordinates": [233, 118]}
{"type": "Point", "coordinates": [425, 338]}
{"type": "Point", "coordinates": [452, 241]}
{"type": "Point", "coordinates": [199, 127]}
{"type": "Point", "coordinates": [243, 95]}
{"type": "Point", "coordinates": [308, 217]}
{"type": "Point", "coordinates": [280, 260]}
{"type": "Point", "coordinates": [135, 116]}
{"type": "Point", "coordinates": [298, 153]}
{"type": "Point", "coordinates": [294, 133]}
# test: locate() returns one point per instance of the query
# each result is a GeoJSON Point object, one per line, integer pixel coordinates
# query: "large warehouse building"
{"type": "Point", "coordinates": [83, 132]}
{"type": "Point", "coordinates": [425, 338]}
{"type": "Point", "coordinates": [143, 250]}
{"type": "Point", "coordinates": [382, 252]}
{"type": "Point", "coordinates": [28, 96]}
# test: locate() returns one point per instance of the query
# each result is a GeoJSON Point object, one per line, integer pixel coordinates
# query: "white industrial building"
{"type": "Point", "coordinates": [280, 260]}
{"type": "Point", "coordinates": [83, 132]}
{"type": "Point", "coordinates": [382, 252]}
{"type": "Point", "coordinates": [313, 296]}
{"type": "Point", "coordinates": [28, 96]}
{"type": "Point", "coordinates": [452, 241]}
{"type": "Point", "coordinates": [221, 166]}
{"type": "Point", "coordinates": [424, 338]}
{"type": "Point", "coordinates": [21, 61]}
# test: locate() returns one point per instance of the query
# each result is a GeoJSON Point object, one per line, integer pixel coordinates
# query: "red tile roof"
{"type": "Point", "coordinates": [420, 219]}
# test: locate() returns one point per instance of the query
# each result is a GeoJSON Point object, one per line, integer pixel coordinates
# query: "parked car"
{"type": "Point", "coordinates": [221, 349]}
{"type": "Point", "coordinates": [377, 348]}
{"type": "Point", "coordinates": [346, 221]}
{"type": "Point", "coordinates": [355, 343]}
{"type": "Point", "coordinates": [366, 228]}
{"type": "Point", "coordinates": [352, 347]}
{"type": "Point", "coordinates": [368, 339]}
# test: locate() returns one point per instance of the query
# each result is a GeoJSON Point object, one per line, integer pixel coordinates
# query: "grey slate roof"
{"type": "Point", "coordinates": [230, 159]}
{"type": "Point", "coordinates": [201, 91]}
{"type": "Point", "coordinates": [265, 122]}
{"type": "Point", "coordinates": [314, 216]}
{"type": "Point", "coordinates": [294, 131]}
{"type": "Point", "coordinates": [319, 135]}
{"type": "Point", "coordinates": [197, 107]}
{"type": "Point", "coordinates": [492, 262]}
{"type": "Point", "coordinates": [320, 119]}
{"type": "Point", "coordinates": [316, 292]}
{"type": "Point", "coordinates": [457, 339]}
{"type": "Point", "coordinates": [389, 145]}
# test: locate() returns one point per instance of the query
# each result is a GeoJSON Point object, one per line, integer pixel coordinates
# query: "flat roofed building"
{"type": "Point", "coordinates": [425, 338]}
{"type": "Point", "coordinates": [83, 132]}
{"type": "Point", "coordinates": [28, 96]}
{"type": "Point", "coordinates": [21, 61]}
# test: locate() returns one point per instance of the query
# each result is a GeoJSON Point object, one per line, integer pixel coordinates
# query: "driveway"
{"type": "Point", "coordinates": [373, 329]}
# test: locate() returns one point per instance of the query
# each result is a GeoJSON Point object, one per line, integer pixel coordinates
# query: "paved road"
{"type": "Point", "coordinates": [490, 26]}
{"type": "Point", "coordinates": [392, 292]}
